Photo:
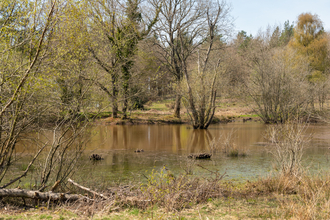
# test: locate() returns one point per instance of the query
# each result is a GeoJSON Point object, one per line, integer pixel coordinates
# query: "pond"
{"type": "Point", "coordinates": [169, 145]}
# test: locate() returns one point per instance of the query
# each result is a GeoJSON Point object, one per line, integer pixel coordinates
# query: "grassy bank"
{"type": "Point", "coordinates": [161, 112]}
{"type": "Point", "coordinates": [188, 197]}
{"type": "Point", "coordinates": [215, 209]}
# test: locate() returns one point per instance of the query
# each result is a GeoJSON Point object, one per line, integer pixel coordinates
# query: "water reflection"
{"type": "Point", "coordinates": [177, 139]}
{"type": "Point", "coordinates": [170, 144]}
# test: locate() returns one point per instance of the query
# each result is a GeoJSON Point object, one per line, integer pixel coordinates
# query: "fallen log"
{"type": "Point", "coordinates": [24, 193]}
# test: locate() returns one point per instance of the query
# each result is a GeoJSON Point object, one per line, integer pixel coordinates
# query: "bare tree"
{"type": "Point", "coordinates": [183, 26]}
{"type": "Point", "coordinates": [179, 20]}
{"type": "Point", "coordinates": [202, 104]}
{"type": "Point", "coordinates": [104, 18]}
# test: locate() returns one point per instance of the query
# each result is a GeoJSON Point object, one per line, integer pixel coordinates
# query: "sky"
{"type": "Point", "coordinates": [254, 15]}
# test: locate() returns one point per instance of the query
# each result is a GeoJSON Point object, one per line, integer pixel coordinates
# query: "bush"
{"type": "Point", "coordinates": [278, 82]}
{"type": "Point", "coordinates": [288, 142]}
{"type": "Point", "coordinates": [178, 192]}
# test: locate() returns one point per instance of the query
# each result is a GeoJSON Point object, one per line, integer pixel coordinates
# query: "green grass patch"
{"type": "Point", "coordinates": [134, 212]}
{"type": "Point", "coordinates": [159, 106]}
{"type": "Point", "coordinates": [163, 105]}
{"type": "Point", "coordinates": [45, 216]}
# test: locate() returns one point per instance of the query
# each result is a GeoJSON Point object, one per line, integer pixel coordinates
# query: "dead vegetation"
{"type": "Point", "coordinates": [162, 189]}
{"type": "Point", "coordinates": [226, 144]}
{"type": "Point", "coordinates": [288, 143]}
{"type": "Point", "coordinates": [297, 197]}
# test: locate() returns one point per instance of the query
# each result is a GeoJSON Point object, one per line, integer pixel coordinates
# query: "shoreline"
{"type": "Point", "coordinates": [138, 118]}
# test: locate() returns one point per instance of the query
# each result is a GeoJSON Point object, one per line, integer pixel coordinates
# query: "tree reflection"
{"type": "Point", "coordinates": [200, 140]}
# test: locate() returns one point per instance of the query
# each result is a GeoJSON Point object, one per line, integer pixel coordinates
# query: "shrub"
{"type": "Point", "coordinates": [178, 192]}
{"type": "Point", "coordinates": [288, 142]}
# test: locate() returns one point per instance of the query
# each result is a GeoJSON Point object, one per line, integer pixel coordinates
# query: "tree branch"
{"type": "Point", "coordinates": [87, 189]}
{"type": "Point", "coordinates": [26, 170]}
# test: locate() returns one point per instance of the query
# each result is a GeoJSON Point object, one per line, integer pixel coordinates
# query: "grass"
{"type": "Point", "coordinates": [58, 213]}
{"type": "Point", "coordinates": [23, 167]}
{"type": "Point", "coordinates": [100, 115]}
{"type": "Point", "coordinates": [189, 197]}
{"type": "Point", "coordinates": [164, 105]}
{"type": "Point", "coordinates": [273, 197]}
{"type": "Point", "coordinates": [214, 209]}
{"type": "Point", "coordinates": [236, 153]}
{"type": "Point", "coordinates": [162, 112]}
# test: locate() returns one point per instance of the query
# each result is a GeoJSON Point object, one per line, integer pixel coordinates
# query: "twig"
{"type": "Point", "coordinates": [55, 185]}
{"type": "Point", "coordinates": [206, 169]}
{"type": "Point", "coordinates": [218, 176]}
{"type": "Point", "coordinates": [200, 217]}
{"type": "Point", "coordinates": [87, 189]}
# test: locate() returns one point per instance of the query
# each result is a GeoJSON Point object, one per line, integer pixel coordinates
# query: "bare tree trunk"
{"type": "Point", "coordinates": [125, 106]}
{"type": "Point", "coordinates": [191, 102]}
{"type": "Point", "coordinates": [177, 106]}
{"type": "Point", "coordinates": [201, 116]}
{"type": "Point", "coordinates": [125, 86]}
{"type": "Point", "coordinates": [312, 104]}
{"type": "Point", "coordinates": [114, 98]}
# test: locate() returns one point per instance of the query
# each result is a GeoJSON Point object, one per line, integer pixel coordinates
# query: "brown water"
{"type": "Point", "coordinates": [169, 145]}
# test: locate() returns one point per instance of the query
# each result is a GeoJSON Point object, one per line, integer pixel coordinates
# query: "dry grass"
{"type": "Point", "coordinates": [188, 165]}
{"type": "Point", "coordinates": [226, 144]}
{"type": "Point", "coordinates": [300, 197]}
{"type": "Point", "coordinates": [165, 196]}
